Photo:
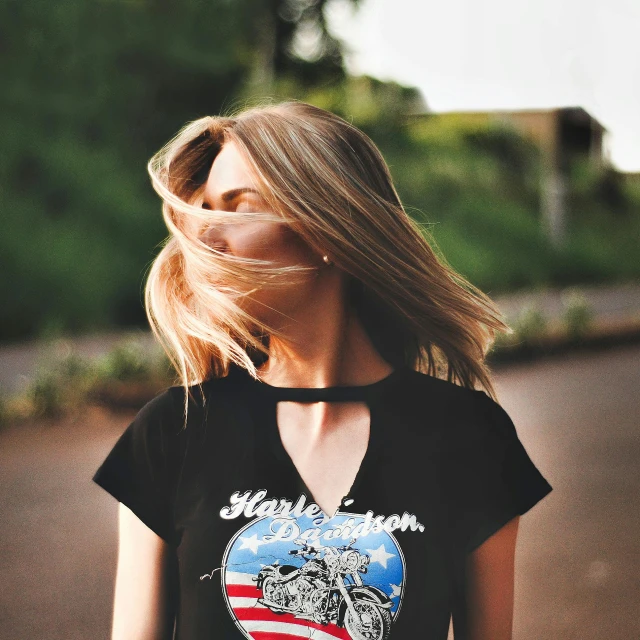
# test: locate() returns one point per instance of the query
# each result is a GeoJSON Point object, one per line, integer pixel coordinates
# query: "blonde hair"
{"type": "Point", "coordinates": [328, 181]}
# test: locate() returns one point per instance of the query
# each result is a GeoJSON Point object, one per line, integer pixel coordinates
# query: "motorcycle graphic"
{"type": "Point", "coordinates": [328, 588]}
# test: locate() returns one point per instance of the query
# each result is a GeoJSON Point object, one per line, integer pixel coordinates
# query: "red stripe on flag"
{"type": "Point", "coordinates": [273, 635]}
{"type": "Point", "coordinates": [260, 613]}
{"type": "Point", "coordinates": [243, 591]}
{"type": "Point", "coordinates": [270, 635]}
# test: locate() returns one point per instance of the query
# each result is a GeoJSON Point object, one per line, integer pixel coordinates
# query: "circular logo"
{"type": "Point", "coordinates": [341, 577]}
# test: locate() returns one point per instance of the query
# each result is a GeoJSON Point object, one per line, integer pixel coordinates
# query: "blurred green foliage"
{"type": "Point", "coordinates": [476, 189]}
{"type": "Point", "coordinates": [92, 89]}
{"type": "Point", "coordinates": [126, 376]}
{"type": "Point", "coordinates": [577, 316]}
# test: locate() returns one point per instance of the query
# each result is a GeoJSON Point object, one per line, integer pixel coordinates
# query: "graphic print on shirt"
{"type": "Point", "coordinates": [294, 571]}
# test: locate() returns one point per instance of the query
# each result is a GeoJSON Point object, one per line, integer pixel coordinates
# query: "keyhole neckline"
{"type": "Point", "coordinates": [376, 395]}
{"type": "Point", "coordinates": [372, 451]}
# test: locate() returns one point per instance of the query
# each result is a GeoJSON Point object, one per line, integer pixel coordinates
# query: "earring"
{"type": "Point", "coordinates": [327, 261]}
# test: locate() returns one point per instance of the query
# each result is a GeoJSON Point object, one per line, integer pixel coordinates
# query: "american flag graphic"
{"type": "Point", "coordinates": [267, 541]}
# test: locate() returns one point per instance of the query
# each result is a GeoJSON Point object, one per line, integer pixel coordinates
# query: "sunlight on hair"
{"type": "Point", "coordinates": [328, 181]}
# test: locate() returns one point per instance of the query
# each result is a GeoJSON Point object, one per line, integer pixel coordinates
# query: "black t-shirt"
{"type": "Point", "coordinates": [257, 558]}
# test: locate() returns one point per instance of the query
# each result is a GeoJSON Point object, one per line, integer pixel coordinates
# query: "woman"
{"type": "Point", "coordinates": [328, 361]}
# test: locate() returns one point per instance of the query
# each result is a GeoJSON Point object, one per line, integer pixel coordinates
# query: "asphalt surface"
{"type": "Point", "coordinates": [578, 557]}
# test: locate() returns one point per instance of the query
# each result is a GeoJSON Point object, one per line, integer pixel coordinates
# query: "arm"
{"type": "Point", "coordinates": [490, 574]}
{"type": "Point", "coordinates": [143, 603]}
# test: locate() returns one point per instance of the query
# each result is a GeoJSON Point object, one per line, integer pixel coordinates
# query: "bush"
{"type": "Point", "coordinates": [578, 315]}
{"type": "Point", "coordinates": [128, 375]}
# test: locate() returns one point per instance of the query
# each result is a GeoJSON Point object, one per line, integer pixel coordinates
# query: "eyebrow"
{"type": "Point", "coordinates": [232, 194]}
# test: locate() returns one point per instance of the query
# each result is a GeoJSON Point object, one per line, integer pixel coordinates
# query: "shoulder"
{"type": "Point", "coordinates": [463, 415]}
{"type": "Point", "coordinates": [439, 394]}
{"type": "Point", "coordinates": [167, 410]}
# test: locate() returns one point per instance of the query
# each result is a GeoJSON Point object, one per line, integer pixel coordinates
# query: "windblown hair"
{"type": "Point", "coordinates": [328, 181]}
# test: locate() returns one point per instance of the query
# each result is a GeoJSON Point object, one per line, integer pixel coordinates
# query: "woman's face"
{"type": "Point", "coordinates": [230, 187]}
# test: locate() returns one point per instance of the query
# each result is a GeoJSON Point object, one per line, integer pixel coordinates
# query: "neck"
{"type": "Point", "coordinates": [325, 345]}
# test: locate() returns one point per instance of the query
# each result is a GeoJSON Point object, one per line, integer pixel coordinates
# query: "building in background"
{"type": "Point", "coordinates": [562, 135]}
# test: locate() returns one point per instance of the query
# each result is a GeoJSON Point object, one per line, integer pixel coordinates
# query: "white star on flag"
{"type": "Point", "coordinates": [251, 543]}
{"type": "Point", "coordinates": [380, 555]}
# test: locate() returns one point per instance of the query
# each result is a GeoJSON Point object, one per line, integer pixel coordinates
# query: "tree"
{"type": "Point", "coordinates": [293, 41]}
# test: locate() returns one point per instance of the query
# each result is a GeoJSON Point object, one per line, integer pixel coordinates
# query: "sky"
{"type": "Point", "coordinates": [466, 55]}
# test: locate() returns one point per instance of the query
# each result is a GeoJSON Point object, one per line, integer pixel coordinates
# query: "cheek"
{"type": "Point", "coordinates": [269, 241]}
{"type": "Point", "coordinates": [278, 244]}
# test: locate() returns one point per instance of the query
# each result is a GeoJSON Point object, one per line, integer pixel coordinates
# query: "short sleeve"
{"type": "Point", "coordinates": [500, 481]}
{"type": "Point", "coordinates": [138, 470]}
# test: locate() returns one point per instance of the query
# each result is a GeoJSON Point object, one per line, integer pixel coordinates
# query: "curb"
{"type": "Point", "coordinates": [605, 334]}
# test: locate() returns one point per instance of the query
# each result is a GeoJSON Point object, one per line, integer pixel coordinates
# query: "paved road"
{"type": "Point", "coordinates": [578, 553]}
